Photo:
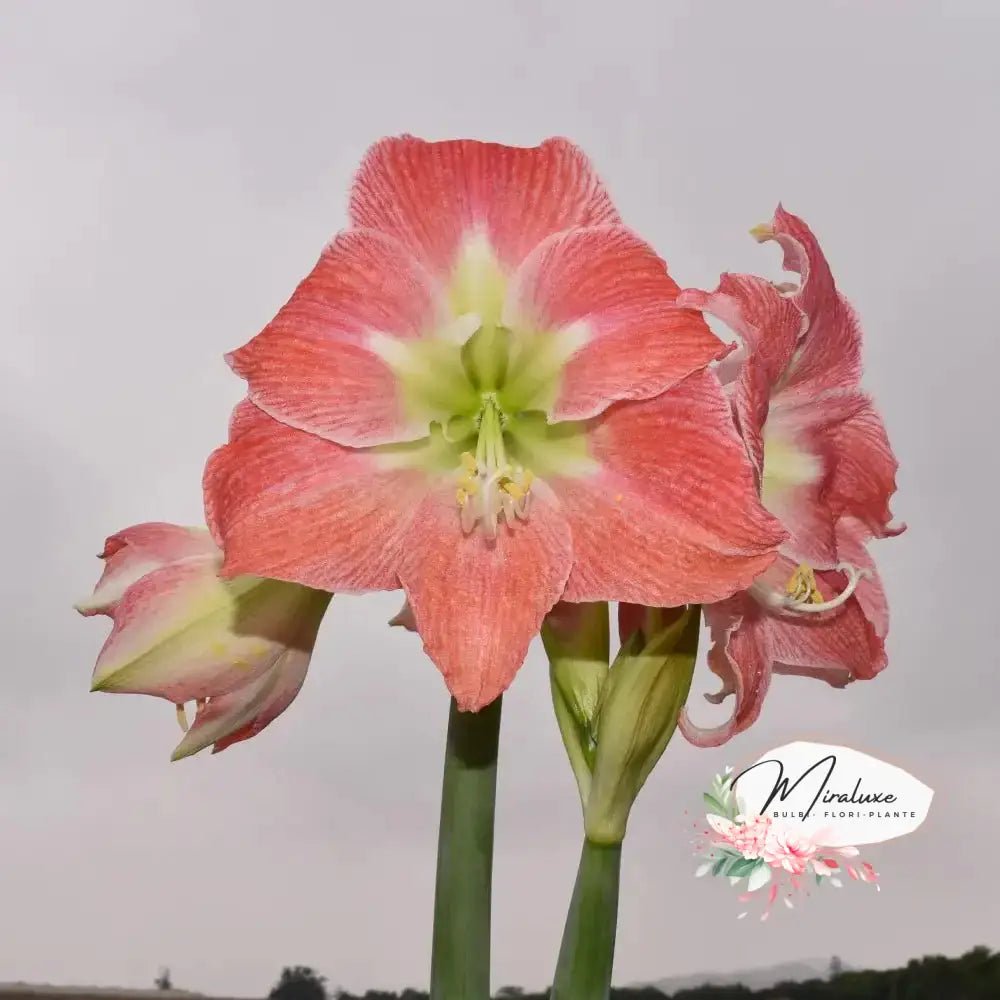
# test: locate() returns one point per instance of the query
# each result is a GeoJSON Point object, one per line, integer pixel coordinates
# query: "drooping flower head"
{"type": "Point", "coordinates": [237, 648]}
{"type": "Point", "coordinates": [486, 393]}
{"type": "Point", "coordinates": [825, 470]}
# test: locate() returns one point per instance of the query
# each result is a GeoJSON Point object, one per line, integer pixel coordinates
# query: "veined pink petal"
{"type": "Point", "coordinates": [130, 554]}
{"type": "Point", "coordinates": [741, 657]}
{"type": "Point", "coordinates": [862, 470]}
{"type": "Point", "coordinates": [244, 712]}
{"type": "Point", "coordinates": [830, 353]}
{"type": "Point", "coordinates": [671, 516]}
{"type": "Point", "coordinates": [612, 289]}
{"type": "Point", "coordinates": [843, 434]}
{"type": "Point", "coordinates": [312, 367]}
{"type": "Point", "coordinates": [431, 195]}
{"type": "Point", "coordinates": [478, 603]}
{"type": "Point", "coordinates": [838, 647]}
{"type": "Point", "coordinates": [851, 538]}
{"type": "Point", "coordinates": [288, 505]}
{"type": "Point", "coordinates": [804, 514]}
{"type": "Point", "coordinates": [769, 325]}
{"type": "Point", "coordinates": [182, 634]}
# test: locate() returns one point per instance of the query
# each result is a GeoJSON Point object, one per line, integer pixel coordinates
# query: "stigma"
{"type": "Point", "coordinates": [802, 594]}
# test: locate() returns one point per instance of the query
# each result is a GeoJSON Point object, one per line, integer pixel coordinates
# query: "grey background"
{"type": "Point", "coordinates": [169, 172]}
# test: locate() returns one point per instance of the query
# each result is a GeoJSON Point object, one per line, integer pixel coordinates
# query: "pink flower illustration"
{"type": "Point", "coordinates": [789, 849]}
{"type": "Point", "coordinates": [747, 838]}
{"type": "Point", "coordinates": [751, 836]}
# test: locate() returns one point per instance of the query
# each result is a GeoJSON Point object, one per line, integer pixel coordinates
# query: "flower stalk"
{"type": "Point", "coordinates": [460, 957]}
{"type": "Point", "coordinates": [587, 953]}
{"type": "Point", "coordinates": [615, 722]}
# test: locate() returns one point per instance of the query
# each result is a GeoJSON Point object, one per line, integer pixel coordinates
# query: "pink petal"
{"type": "Point", "coordinates": [838, 647]}
{"type": "Point", "coordinates": [769, 325]}
{"type": "Point", "coordinates": [403, 618]}
{"type": "Point", "coordinates": [830, 353]}
{"type": "Point", "coordinates": [431, 195]}
{"type": "Point", "coordinates": [615, 290]}
{"type": "Point", "coordinates": [182, 634]}
{"type": "Point", "coordinates": [863, 470]}
{"type": "Point", "coordinates": [478, 604]}
{"type": "Point", "coordinates": [133, 552]}
{"type": "Point", "coordinates": [741, 657]}
{"type": "Point", "coordinates": [312, 366]}
{"type": "Point", "coordinates": [246, 711]}
{"type": "Point", "coordinates": [290, 506]}
{"type": "Point", "coordinates": [671, 515]}
{"type": "Point", "coordinates": [856, 470]}
{"type": "Point", "coordinates": [870, 594]}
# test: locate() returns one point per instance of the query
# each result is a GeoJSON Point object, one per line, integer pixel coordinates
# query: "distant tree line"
{"type": "Point", "coordinates": [973, 976]}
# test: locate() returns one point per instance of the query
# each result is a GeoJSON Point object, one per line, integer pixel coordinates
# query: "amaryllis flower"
{"type": "Point", "coordinates": [485, 393]}
{"type": "Point", "coordinates": [825, 469]}
{"type": "Point", "coordinates": [238, 648]}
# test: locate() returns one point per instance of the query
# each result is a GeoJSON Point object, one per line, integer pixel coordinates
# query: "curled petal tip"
{"type": "Point", "coordinates": [404, 618]}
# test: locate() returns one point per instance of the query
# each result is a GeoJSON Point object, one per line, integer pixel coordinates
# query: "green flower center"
{"type": "Point", "coordinates": [484, 383]}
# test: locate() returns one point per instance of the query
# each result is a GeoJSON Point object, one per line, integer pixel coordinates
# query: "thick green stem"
{"type": "Point", "coordinates": [460, 958]}
{"type": "Point", "coordinates": [587, 952]}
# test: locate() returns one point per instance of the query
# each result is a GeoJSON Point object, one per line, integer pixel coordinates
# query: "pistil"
{"type": "Point", "coordinates": [802, 595]}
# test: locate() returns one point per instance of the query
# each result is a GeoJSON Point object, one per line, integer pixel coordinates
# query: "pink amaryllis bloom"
{"type": "Point", "coordinates": [826, 471]}
{"type": "Point", "coordinates": [486, 394]}
{"type": "Point", "coordinates": [238, 648]}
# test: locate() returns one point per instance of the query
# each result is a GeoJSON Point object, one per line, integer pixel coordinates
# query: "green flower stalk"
{"type": "Point", "coordinates": [615, 721]}
{"type": "Point", "coordinates": [460, 955]}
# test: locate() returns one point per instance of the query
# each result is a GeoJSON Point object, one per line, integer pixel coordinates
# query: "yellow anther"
{"type": "Point", "coordinates": [527, 478]}
{"type": "Point", "coordinates": [802, 586]}
{"type": "Point", "coordinates": [468, 461]}
{"type": "Point", "coordinates": [512, 489]}
{"type": "Point", "coordinates": [762, 232]}
{"type": "Point", "coordinates": [462, 496]}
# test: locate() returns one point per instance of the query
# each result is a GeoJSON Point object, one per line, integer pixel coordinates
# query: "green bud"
{"type": "Point", "coordinates": [616, 722]}
{"type": "Point", "coordinates": [646, 689]}
{"type": "Point", "coordinates": [577, 641]}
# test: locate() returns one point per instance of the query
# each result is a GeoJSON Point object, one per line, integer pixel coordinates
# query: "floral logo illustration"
{"type": "Point", "coordinates": [758, 851]}
{"type": "Point", "coordinates": [791, 821]}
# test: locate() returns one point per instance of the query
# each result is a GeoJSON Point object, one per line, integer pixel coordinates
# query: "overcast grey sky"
{"type": "Point", "coordinates": [169, 171]}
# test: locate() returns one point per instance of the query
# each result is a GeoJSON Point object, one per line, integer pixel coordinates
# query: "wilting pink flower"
{"type": "Point", "coordinates": [825, 470]}
{"type": "Point", "coordinates": [485, 393]}
{"type": "Point", "coordinates": [238, 648]}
